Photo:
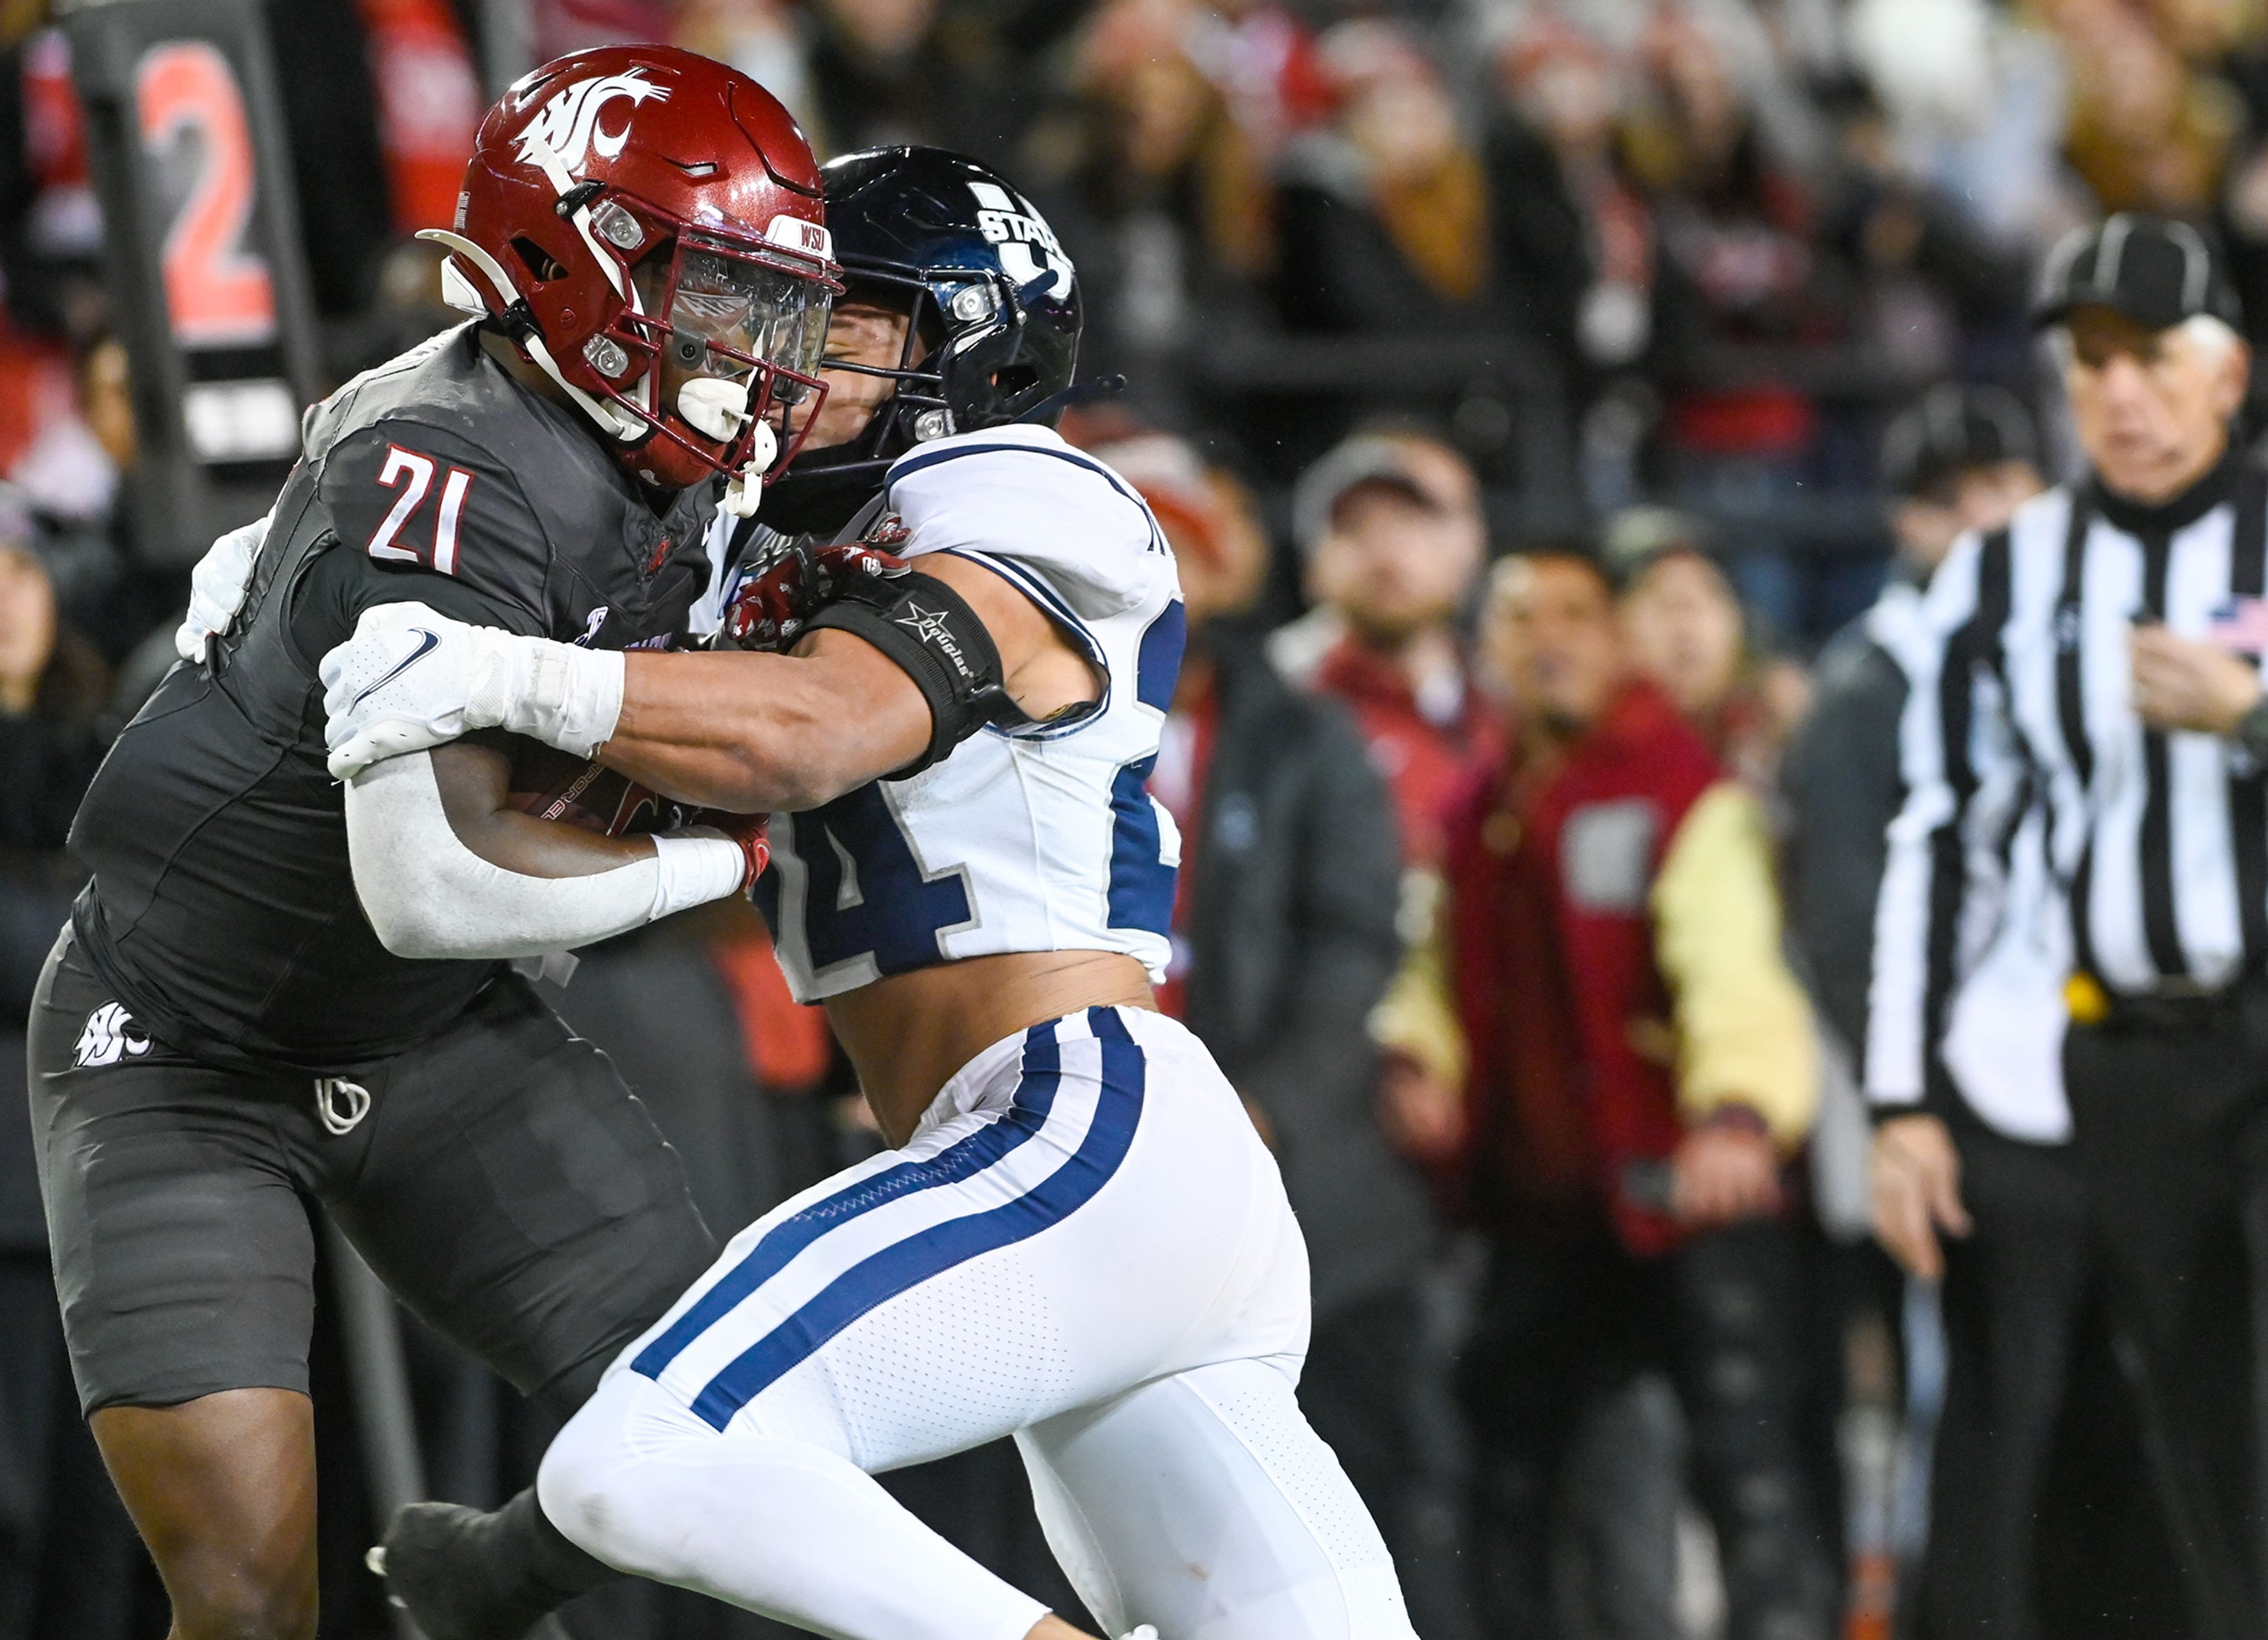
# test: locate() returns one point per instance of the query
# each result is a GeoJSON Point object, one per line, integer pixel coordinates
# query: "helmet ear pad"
{"type": "Point", "coordinates": [1011, 371]}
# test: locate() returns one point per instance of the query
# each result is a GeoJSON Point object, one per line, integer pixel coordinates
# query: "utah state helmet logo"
{"type": "Point", "coordinates": [1029, 248]}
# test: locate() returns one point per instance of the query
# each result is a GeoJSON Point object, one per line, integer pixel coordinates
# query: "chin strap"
{"type": "Point", "coordinates": [746, 490]}
{"type": "Point", "coordinates": [707, 403]}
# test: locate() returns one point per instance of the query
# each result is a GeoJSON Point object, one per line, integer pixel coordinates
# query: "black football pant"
{"type": "Point", "coordinates": [499, 1176]}
{"type": "Point", "coordinates": [1558, 1326]}
{"type": "Point", "coordinates": [2170, 1126]}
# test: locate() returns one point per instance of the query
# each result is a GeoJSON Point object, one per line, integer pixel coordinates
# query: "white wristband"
{"type": "Point", "coordinates": [698, 864]}
{"type": "Point", "coordinates": [561, 696]}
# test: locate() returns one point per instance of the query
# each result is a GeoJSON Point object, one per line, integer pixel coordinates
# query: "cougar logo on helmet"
{"type": "Point", "coordinates": [569, 124]}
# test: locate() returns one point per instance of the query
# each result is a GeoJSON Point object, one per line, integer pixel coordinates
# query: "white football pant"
{"type": "Point", "coordinates": [1085, 1246]}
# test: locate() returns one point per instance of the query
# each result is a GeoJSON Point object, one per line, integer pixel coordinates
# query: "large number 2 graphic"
{"type": "Point", "coordinates": [415, 473]}
{"type": "Point", "coordinates": [218, 293]}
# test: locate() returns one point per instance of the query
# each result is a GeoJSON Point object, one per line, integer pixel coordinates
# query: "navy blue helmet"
{"type": "Point", "coordinates": [995, 308]}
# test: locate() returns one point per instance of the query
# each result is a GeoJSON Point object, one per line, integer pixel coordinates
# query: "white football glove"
{"type": "Point", "coordinates": [216, 588]}
{"type": "Point", "coordinates": [410, 677]}
{"type": "Point", "coordinates": [404, 682]}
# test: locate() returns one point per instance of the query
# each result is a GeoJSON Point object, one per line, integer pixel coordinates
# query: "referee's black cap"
{"type": "Point", "coordinates": [1953, 429]}
{"type": "Point", "coordinates": [2155, 272]}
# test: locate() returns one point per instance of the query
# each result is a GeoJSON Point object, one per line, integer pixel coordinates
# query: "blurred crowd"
{"type": "Point", "coordinates": [1544, 399]}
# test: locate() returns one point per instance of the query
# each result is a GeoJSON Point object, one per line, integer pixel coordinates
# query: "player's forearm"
{"type": "Point", "coordinates": [472, 777]}
{"type": "Point", "coordinates": [428, 895]}
{"type": "Point", "coordinates": [758, 733]}
{"type": "Point", "coordinates": [746, 732]}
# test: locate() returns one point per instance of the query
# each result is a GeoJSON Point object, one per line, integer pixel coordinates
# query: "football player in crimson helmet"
{"type": "Point", "coordinates": [644, 226]}
{"type": "Point", "coordinates": [273, 993]}
{"type": "Point", "coordinates": [1077, 1238]}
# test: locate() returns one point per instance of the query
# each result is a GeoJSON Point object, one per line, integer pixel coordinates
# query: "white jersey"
{"type": "Point", "coordinates": [1042, 837]}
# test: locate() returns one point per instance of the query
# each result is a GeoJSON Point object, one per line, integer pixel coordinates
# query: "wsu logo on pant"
{"type": "Point", "coordinates": [110, 1035]}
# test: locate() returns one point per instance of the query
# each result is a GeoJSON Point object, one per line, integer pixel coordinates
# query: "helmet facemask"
{"type": "Point", "coordinates": [719, 339]}
{"type": "Point", "coordinates": [945, 313]}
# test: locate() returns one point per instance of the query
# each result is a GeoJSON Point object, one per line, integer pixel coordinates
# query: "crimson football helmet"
{"type": "Point", "coordinates": [636, 204]}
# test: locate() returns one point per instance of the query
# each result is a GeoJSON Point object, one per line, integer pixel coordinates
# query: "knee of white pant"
{"type": "Point", "coordinates": [578, 1474]}
{"type": "Point", "coordinates": [1205, 1504]}
{"type": "Point", "coordinates": [769, 1522]}
{"type": "Point", "coordinates": [597, 1483]}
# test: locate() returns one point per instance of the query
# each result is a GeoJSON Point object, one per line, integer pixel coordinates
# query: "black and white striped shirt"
{"type": "Point", "coordinates": [2022, 683]}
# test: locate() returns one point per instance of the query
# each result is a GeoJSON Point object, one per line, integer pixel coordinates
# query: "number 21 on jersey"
{"type": "Point", "coordinates": [413, 476]}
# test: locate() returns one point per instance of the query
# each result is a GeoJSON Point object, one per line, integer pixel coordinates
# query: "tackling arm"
{"type": "Point", "coordinates": [777, 732]}
{"type": "Point", "coordinates": [789, 733]}
{"type": "Point", "coordinates": [745, 731]}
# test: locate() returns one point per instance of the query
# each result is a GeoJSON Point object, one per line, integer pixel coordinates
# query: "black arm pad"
{"type": "Point", "coordinates": [933, 633]}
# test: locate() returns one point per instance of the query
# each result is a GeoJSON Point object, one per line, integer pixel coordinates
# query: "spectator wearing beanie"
{"type": "Point", "coordinates": [1959, 458]}
{"type": "Point", "coordinates": [1391, 539]}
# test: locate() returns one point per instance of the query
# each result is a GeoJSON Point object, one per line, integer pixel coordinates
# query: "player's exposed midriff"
{"type": "Point", "coordinates": [909, 1034]}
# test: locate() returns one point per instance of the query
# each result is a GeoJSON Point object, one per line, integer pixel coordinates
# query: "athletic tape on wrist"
{"type": "Point", "coordinates": [564, 696]}
{"type": "Point", "coordinates": [698, 864]}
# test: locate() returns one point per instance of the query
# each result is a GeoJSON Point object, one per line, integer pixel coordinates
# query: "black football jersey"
{"type": "Point", "coordinates": [222, 909]}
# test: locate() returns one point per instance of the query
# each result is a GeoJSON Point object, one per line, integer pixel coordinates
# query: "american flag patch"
{"type": "Point", "coordinates": [2241, 625]}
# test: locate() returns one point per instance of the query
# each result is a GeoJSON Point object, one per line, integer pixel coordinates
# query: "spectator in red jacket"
{"type": "Point", "coordinates": [1607, 985]}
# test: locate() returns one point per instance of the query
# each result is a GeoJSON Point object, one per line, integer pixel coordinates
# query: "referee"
{"type": "Point", "coordinates": [2101, 652]}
